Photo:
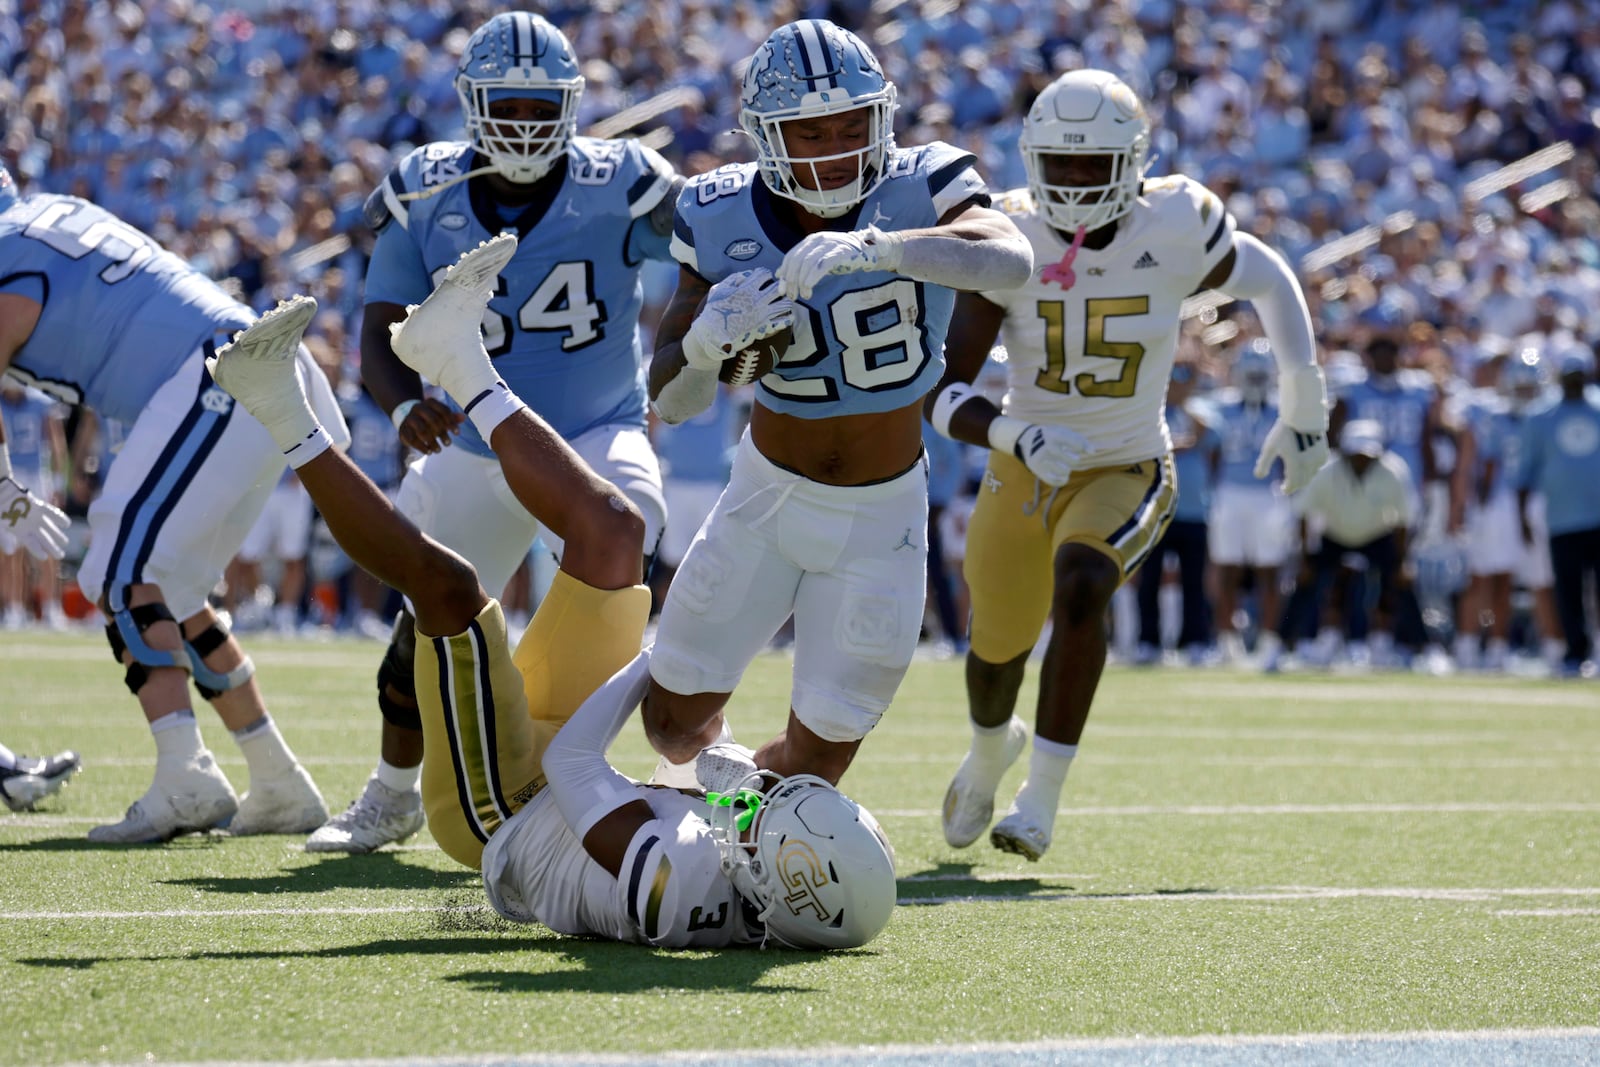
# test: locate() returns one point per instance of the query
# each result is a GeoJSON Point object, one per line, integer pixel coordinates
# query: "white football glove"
{"type": "Point", "coordinates": [1051, 453]}
{"type": "Point", "coordinates": [1300, 436]}
{"type": "Point", "coordinates": [1303, 454]}
{"type": "Point", "coordinates": [739, 310]}
{"type": "Point", "coordinates": [828, 252]}
{"type": "Point", "coordinates": [35, 524]}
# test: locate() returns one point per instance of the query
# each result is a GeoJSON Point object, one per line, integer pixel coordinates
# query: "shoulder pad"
{"type": "Point", "coordinates": [376, 209]}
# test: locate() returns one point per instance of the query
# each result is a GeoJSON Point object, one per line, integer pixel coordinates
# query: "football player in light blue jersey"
{"type": "Point", "coordinates": [94, 312]}
{"type": "Point", "coordinates": [856, 246]}
{"type": "Point", "coordinates": [1251, 525]}
{"type": "Point", "coordinates": [1560, 453]}
{"type": "Point", "coordinates": [1402, 402]}
{"type": "Point", "coordinates": [38, 446]}
{"type": "Point", "coordinates": [1497, 559]}
{"type": "Point", "coordinates": [562, 329]}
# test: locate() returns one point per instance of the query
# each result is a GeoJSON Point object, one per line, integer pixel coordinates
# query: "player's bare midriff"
{"type": "Point", "coordinates": [841, 449]}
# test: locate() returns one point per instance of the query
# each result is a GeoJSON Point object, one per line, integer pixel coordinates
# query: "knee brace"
{"type": "Point", "coordinates": [213, 684]}
{"type": "Point", "coordinates": [125, 633]}
{"type": "Point", "coordinates": [397, 671]}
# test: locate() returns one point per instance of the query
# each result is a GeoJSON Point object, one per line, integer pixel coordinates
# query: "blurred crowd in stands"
{"type": "Point", "coordinates": [1429, 167]}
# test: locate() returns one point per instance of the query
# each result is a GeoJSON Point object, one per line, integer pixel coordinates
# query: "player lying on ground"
{"type": "Point", "coordinates": [570, 843]}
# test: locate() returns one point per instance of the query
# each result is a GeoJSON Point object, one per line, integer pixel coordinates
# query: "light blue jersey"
{"type": "Point", "coordinates": [1561, 459]}
{"type": "Point", "coordinates": [121, 314]}
{"type": "Point", "coordinates": [1193, 465]}
{"type": "Point", "coordinates": [1497, 446]}
{"type": "Point", "coordinates": [563, 326]}
{"type": "Point", "coordinates": [700, 449]}
{"type": "Point", "coordinates": [1400, 405]}
{"type": "Point", "coordinates": [26, 416]}
{"type": "Point", "coordinates": [1243, 429]}
{"type": "Point", "coordinates": [374, 443]}
{"type": "Point", "coordinates": [866, 342]}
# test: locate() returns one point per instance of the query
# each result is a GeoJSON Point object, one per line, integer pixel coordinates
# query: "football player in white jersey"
{"type": "Point", "coordinates": [857, 245]}
{"type": "Point", "coordinates": [1080, 481]}
{"type": "Point", "coordinates": [515, 777]}
{"type": "Point", "coordinates": [97, 314]}
{"type": "Point", "coordinates": [563, 330]}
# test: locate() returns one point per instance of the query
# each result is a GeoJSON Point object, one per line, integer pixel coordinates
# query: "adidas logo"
{"type": "Point", "coordinates": [1145, 260]}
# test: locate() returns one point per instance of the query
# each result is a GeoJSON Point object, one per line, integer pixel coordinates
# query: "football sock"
{"type": "Point", "coordinates": [989, 748]}
{"type": "Point", "coordinates": [1040, 795]}
{"type": "Point", "coordinates": [265, 751]}
{"type": "Point", "coordinates": [400, 779]}
{"type": "Point", "coordinates": [8, 759]}
{"type": "Point", "coordinates": [490, 406]}
{"type": "Point", "coordinates": [177, 737]}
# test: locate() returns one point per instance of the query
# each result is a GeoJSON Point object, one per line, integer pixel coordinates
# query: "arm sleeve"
{"type": "Point", "coordinates": [1262, 276]}
{"type": "Point", "coordinates": [585, 785]}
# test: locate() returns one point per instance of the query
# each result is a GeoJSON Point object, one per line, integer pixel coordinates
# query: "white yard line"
{"type": "Point", "coordinates": [1262, 1049]}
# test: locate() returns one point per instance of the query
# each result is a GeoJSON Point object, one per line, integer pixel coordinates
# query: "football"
{"type": "Point", "coordinates": [754, 362]}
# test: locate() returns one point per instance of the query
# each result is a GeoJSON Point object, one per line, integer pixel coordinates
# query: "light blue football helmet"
{"type": "Point", "coordinates": [1254, 372]}
{"type": "Point", "coordinates": [805, 70]}
{"type": "Point", "coordinates": [8, 189]}
{"type": "Point", "coordinates": [1524, 379]}
{"type": "Point", "coordinates": [519, 54]}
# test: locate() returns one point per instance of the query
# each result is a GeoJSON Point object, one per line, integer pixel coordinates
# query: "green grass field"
{"type": "Point", "coordinates": [1235, 856]}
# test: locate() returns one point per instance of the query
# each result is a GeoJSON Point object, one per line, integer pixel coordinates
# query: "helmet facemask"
{"type": "Point", "coordinates": [518, 55]}
{"type": "Point", "coordinates": [1086, 113]}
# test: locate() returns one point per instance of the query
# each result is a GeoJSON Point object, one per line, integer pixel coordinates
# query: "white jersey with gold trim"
{"type": "Point", "coordinates": [1094, 351]}
{"type": "Point", "coordinates": [670, 893]}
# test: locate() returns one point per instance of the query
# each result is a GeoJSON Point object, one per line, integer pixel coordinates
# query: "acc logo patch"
{"type": "Point", "coordinates": [452, 220]}
{"type": "Point", "coordinates": [742, 250]}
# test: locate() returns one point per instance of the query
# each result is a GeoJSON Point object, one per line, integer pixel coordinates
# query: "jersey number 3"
{"type": "Point", "coordinates": [1053, 378]}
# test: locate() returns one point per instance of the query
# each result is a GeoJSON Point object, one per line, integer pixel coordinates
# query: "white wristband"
{"type": "Point", "coordinates": [950, 398]}
{"type": "Point", "coordinates": [700, 355]}
{"type": "Point", "coordinates": [5, 460]}
{"type": "Point", "coordinates": [401, 410]}
{"type": "Point", "coordinates": [1004, 432]}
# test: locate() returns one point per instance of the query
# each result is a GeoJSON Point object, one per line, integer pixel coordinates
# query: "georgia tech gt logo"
{"type": "Point", "coordinates": [802, 874]}
{"type": "Point", "coordinates": [18, 511]}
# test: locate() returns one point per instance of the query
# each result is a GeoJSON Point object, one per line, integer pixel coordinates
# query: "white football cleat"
{"type": "Point", "coordinates": [722, 767]}
{"type": "Point", "coordinates": [969, 802]}
{"type": "Point", "coordinates": [288, 804]}
{"type": "Point", "coordinates": [1019, 834]}
{"type": "Point", "coordinates": [257, 368]}
{"type": "Point", "coordinates": [33, 779]}
{"type": "Point", "coordinates": [194, 800]}
{"type": "Point", "coordinates": [442, 337]}
{"type": "Point", "coordinates": [379, 816]}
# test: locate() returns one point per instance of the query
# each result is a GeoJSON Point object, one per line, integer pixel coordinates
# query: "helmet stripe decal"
{"type": "Point", "coordinates": [819, 72]}
{"type": "Point", "coordinates": [523, 46]}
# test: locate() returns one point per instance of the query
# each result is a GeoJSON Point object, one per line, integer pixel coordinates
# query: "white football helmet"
{"type": "Point", "coordinates": [1086, 113]}
{"type": "Point", "coordinates": [812, 863]}
{"type": "Point", "coordinates": [805, 70]}
{"type": "Point", "coordinates": [519, 54]}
